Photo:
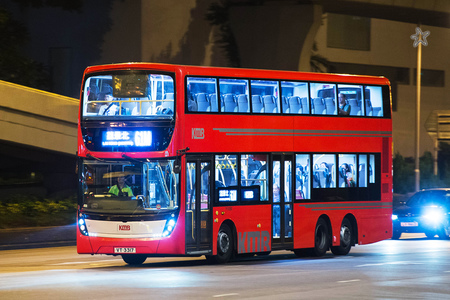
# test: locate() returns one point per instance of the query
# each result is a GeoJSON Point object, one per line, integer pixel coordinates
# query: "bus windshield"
{"type": "Point", "coordinates": [124, 187]}
{"type": "Point", "coordinates": [128, 95]}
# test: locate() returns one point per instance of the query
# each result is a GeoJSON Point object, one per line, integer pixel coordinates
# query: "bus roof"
{"type": "Point", "coordinates": [242, 72]}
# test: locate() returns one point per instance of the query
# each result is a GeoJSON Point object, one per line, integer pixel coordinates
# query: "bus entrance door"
{"type": "Point", "coordinates": [198, 205]}
{"type": "Point", "coordinates": [282, 204]}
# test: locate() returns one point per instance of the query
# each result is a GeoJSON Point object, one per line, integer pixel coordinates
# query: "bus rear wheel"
{"type": "Point", "coordinates": [321, 238]}
{"type": "Point", "coordinates": [346, 237]}
{"type": "Point", "coordinates": [134, 259]}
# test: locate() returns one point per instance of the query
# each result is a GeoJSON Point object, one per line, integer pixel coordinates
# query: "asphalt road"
{"type": "Point", "coordinates": [410, 268]}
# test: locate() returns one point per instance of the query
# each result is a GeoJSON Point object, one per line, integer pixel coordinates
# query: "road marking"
{"type": "Point", "coordinates": [225, 295]}
{"type": "Point", "coordinates": [390, 263]}
{"type": "Point", "coordinates": [346, 281]}
{"type": "Point", "coordinates": [86, 262]}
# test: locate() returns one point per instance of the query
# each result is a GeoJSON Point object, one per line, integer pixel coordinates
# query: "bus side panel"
{"type": "Point", "coordinates": [304, 226]}
{"type": "Point", "coordinates": [376, 227]}
{"type": "Point", "coordinates": [253, 226]}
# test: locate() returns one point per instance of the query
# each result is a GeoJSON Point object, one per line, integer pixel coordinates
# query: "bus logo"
{"type": "Point", "coordinates": [198, 133]}
{"type": "Point", "coordinates": [124, 228]}
{"type": "Point", "coordinates": [253, 241]}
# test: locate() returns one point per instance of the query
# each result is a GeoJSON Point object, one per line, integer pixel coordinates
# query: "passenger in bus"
{"type": "Point", "coordinates": [344, 107]}
{"type": "Point", "coordinates": [108, 109]}
{"type": "Point", "coordinates": [121, 189]}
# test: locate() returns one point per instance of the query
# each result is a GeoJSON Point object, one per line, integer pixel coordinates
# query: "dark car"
{"type": "Point", "coordinates": [427, 211]}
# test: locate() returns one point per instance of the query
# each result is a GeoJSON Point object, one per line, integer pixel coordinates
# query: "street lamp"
{"type": "Point", "coordinates": [419, 39]}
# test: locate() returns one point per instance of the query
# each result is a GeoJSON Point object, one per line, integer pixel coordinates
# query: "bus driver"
{"type": "Point", "coordinates": [121, 189]}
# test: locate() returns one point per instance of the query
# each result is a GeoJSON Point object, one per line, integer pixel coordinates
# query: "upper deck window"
{"type": "Point", "coordinates": [323, 99]}
{"type": "Point", "coordinates": [295, 99]}
{"type": "Point", "coordinates": [128, 95]}
{"type": "Point", "coordinates": [234, 95]}
{"type": "Point", "coordinates": [265, 97]}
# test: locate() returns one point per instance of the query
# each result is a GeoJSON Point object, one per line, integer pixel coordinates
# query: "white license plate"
{"type": "Point", "coordinates": [409, 224]}
{"type": "Point", "coordinates": [124, 250]}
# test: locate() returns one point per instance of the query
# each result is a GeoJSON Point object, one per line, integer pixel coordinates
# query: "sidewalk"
{"type": "Point", "coordinates": [37, 237]}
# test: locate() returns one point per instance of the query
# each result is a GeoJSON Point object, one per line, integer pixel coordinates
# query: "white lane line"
{"type": "Point", "coordinates": [347, 281]}
{"type": "Point", "coordinates": [390, 263]}
{"type": "Point", "coordinates": [225, 295]}
{"type": "Point", "coordinates": [85, 262]}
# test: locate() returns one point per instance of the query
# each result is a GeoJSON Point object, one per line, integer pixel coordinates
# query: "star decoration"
{"type": "Point", "coordinates": [420, 37]}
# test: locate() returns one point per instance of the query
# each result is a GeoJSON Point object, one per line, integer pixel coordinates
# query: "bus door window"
{"type": "Point", "coordinates": [347, 170]}
{"type": "Point", "coordinates": [282, 198]}
{"type": "Point", "coordinates": [323, 98]}
{"type": "Point", "coordinates": [198, 213]}
{"type": "Point", "coordinates": [371, 168]}
{"type": "Point", "coordinates": [190, 202]}
{"type": "Point", "coordinates": [302, 177]}
{"type": "Point", "coordinates": [352, 95]}
{"type": "Point", "coordinates": [287, 198]}
{"type": "Point", "coordinates": [234, 95]}
{"type": "Point", "coordinates": [268, 95]}
{"type": "Point", "coordinates": [362, 171]}
{"type": "Point", "coordinates": [324, 171]}
{"type": "Point", "coordinates": [190, 186]}
{"type": "Point", "coordinates": [276, 199]}
{"type": "Point", "coordinates": [295, 99]}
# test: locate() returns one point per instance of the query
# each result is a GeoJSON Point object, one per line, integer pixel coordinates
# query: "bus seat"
{"type": "Point", "coordinates": [355, 110]}
{"type": "Point", "coordinates": [295, 106]}
{"type": "Point", "coordinates": [319, 106]}
{"type": "Point", "coordinates": [377, 111]}
{"type": "Point", "coordinates": [368, 107]}
{"type": "Point", "coordinates": [229, 103]}
{"type": "Point", "coordinates": [362, 175]}
{"type": "Point", "coordinates": [269, 104]}
{"type": "Point", "coordinates": [213, 102]}
{"type": "Point", "coordinates": [305, 106]}
{"type": "Point", "coordinates": [257, 104]}
{"type": "Point", "coordinates": [330, 106]}
{"type": "Point", "coordinates": [285, 105]}
{"type": "Point", "coordinates": [202, 102]}
{"type": "Point", "coordinates": [242, 103]}
{"type": "Point", "coordinates": [93, 92]}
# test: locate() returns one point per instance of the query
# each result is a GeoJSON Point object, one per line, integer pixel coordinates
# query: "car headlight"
{"type": "Point", "coordinates": [434, 215]}
{"type": "Point", "coordinates": [394, 217]}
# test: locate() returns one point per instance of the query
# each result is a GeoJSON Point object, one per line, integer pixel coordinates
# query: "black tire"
{"type": "Point", "coordinates": [396, 235]}
{"type": "Point", "coordinates": [321, 238]}
{"type": "Point", "coordinates": [346, 237]}
{"type": "Point", "coordinates": [134, 259]}
{"type": "Point", "coordinates": [224, 246]}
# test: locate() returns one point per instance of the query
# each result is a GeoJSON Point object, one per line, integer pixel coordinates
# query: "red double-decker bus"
{"type": "Point", "coordinates": [190, 161]}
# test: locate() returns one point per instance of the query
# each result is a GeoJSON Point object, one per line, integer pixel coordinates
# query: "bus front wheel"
{"type": "Point", "coordinates": [224, 245]}
{"type": "Point", "coordinates": [134, 259]}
